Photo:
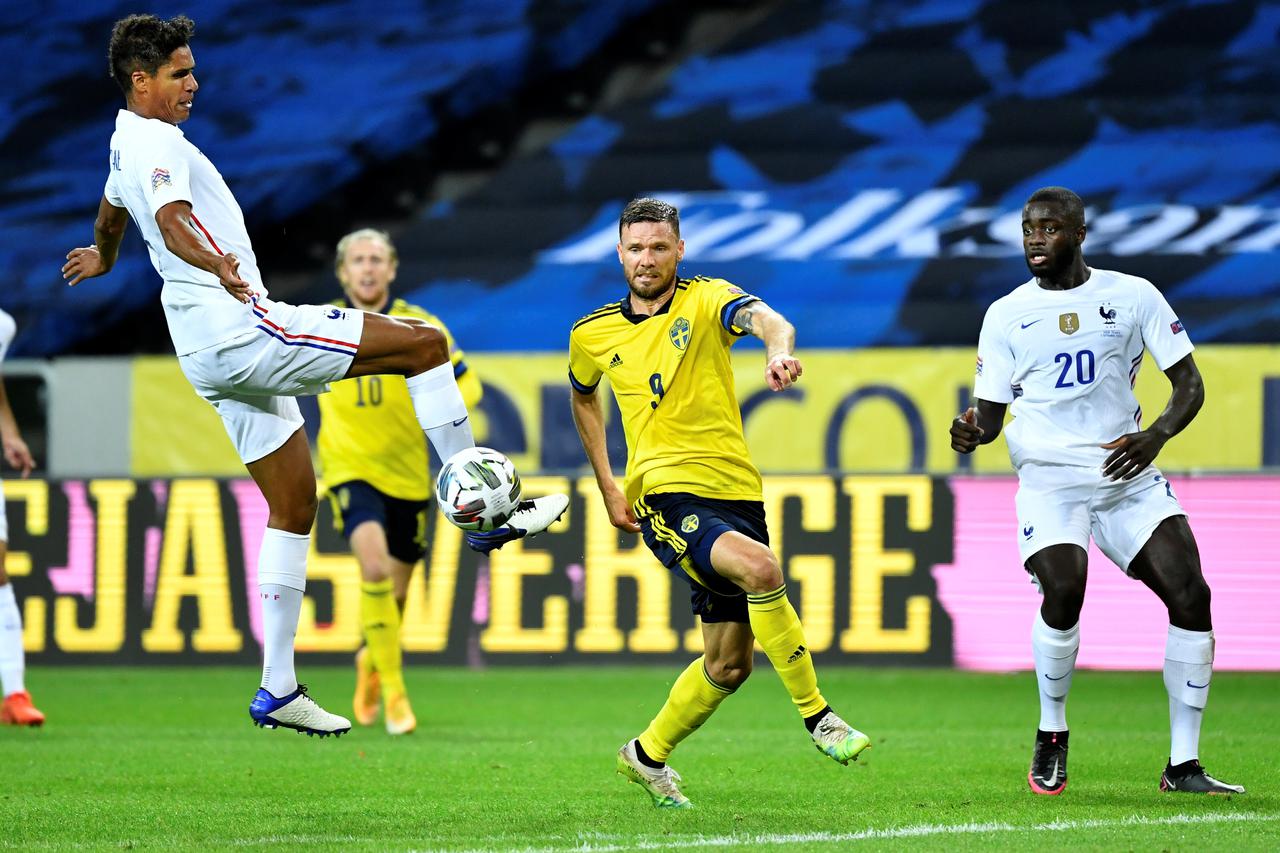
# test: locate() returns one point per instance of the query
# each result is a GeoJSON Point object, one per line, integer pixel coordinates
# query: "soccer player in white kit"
{"type": "Point", "coordinates": [16, 709]}
{"type": "Point", "coordinates": [1064, 349]}
{"type": "Point", "coordinates": [246, 354]}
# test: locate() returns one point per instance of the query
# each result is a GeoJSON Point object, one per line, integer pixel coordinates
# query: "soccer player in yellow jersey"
{"type": "Point", "coordinates": [691, 489]}
{"type": "Point", "coordinates": [374, 460]}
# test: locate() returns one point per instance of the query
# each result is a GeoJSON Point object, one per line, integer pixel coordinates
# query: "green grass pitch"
{"type": "Point", "coordinates": [523, 759]}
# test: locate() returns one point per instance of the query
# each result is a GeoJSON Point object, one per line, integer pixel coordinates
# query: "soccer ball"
{"type": "Point", "coordinates": [478, 489]}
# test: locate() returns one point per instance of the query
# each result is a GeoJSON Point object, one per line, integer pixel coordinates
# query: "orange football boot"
{"type": "Point", "coordinates": [18, 710]}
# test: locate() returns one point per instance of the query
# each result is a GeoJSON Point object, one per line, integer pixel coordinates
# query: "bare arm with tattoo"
{"type": "Point", "coordinates": [782, 369]}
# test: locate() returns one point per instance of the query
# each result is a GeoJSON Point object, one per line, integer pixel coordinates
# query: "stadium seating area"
{"type": "Point", "coordinates": [862, 167]}
{"type": "Point", "coordinates": [297, 100]}
{"type": "Point", "coordinates": [846, 153]}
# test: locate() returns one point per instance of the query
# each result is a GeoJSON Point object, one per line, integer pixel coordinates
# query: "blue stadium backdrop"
{"type": "Point", "coordinates": [859, 164]}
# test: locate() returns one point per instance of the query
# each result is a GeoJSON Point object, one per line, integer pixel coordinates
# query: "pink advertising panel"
{"type": "Point", "coordinates": [992, 602]}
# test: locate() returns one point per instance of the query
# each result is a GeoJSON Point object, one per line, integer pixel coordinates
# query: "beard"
{"type": "Point", "coordinates": [650, 290]}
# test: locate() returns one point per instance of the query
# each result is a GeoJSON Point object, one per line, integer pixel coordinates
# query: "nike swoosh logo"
{"type": "Point", "coordinates": [1059, 678]}
{"type": "Point", "coordinates": [1052, 780]}
{"type": "Point", "coordinates": [1197, 686]}
{"type": "Point", "coordinates": [461, 421]}
{"type": "Point", "coordinates": [1032, 323]}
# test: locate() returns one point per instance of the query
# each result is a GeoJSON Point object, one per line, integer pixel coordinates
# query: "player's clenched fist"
{"type": "Point", "coordinates": [965, 432]}
{"type": "Point", "coordinates": [782, 372]}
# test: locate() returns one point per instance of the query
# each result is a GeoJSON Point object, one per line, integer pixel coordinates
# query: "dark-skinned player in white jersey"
{"type": "Point", "coordinates": [1064, 349]}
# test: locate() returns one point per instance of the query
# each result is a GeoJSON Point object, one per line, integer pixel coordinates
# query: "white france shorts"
{"type": "Point", "coordinates": [1066, 504]}
{"type": "Point", "coordinates": [251, 379]}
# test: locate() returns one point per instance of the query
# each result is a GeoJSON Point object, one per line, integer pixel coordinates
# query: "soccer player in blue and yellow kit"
{"type": "Point", "coordinates": [374, 460]}
{"type": "Point", "coordinates": [691, 489]}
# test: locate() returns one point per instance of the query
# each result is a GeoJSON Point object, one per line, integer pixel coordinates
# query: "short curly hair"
{"type": "Point", "coordinates": [1070, 203]}
{"type": "Point", "coordinates": [649, 210]}
{"type": "Point", "coordinates": [144, 43]}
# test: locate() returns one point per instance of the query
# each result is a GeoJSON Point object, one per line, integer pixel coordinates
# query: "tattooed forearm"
{"type": "Point", "coordinates": [744, 317]}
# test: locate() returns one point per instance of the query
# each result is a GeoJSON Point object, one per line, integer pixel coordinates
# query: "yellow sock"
{"type": "Point", "coordinates": [779, 631]}
{"type": "Point", "coordinates": [380, 619]}
{"type": "Point", "coordinates": [694, 697]}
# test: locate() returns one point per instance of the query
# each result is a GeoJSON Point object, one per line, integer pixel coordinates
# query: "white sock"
{"type": "Point", "coordinates": [1055, 656]}
{"type": "Point", "coordinates": [1188, 668]}
{"type": "Point", "coordinates": [11, 654]}
{"type": "Point", "coordinates": [282, 577]}
{"type": "Point", "coordinates": [441, 412]}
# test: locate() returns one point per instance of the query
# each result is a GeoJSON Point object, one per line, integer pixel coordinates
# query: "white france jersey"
{"type": "Point", "coordinates": [8, 329]}
{"type": "Point", "coordinates": [151, 165]}
{"type": "Point", "coordinates": [1068, 360]}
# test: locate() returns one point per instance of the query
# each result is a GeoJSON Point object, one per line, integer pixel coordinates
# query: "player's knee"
{"type": "Point", "coordinates": [375, 570]}
{"type": "Point", "coordinates": [729, 673]}
{"type": "Point", "coordinates": [1062, 604]}
{"type": "Point", "coordinates": [1063, 589]}
{"type": "Point", "coordinates": [1190, 603]}
{"type": "Point", "coordinates": [295, 515]}
{"type": "Point", "coordinates": [761, 572]}
{"type": "Point", "coordinates": [430, 346]}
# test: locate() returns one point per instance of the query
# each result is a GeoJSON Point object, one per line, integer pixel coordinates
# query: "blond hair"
{"type": "Point", "coordinates": [364, 234]}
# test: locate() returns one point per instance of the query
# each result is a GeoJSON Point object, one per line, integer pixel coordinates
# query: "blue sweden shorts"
{"type": "Point", "coordinates": [680, 529]}
{"type": "Point", "coordinates": [405, 522]}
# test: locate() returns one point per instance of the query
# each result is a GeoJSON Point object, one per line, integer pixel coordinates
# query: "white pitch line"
{"type": "Point", "coordinates": [910, 831]}
{"type": "Point", "coordinates": [780, 839]}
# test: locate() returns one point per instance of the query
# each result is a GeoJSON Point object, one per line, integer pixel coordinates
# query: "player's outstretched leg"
{"type": "Point", "coordinates": [420, 353]}
{"type": "Point", "coordinates": [658, 782]}
{"type": "Point", "coordinates": [777, 626]}
{"type": "Point", "coordinates": [530, 518]}
{"type": "Point", "coordinates": [836, 738]}
{"type": "Point", "coordinates": [1048, 773]}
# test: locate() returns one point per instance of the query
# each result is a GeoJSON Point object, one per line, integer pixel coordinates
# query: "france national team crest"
{"type": "Point", "coordinates": [159, 178]}
{"type": "Point", "coordinates": [1108, 315]}
{"type": "Point", "coordinates": [1069, 324]}
{"type": "Point", "coordinates": [680, 333]}
{"type": "Point", "coordinates": [689, 523]}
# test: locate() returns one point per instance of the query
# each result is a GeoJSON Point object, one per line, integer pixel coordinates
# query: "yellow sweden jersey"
{"type": "Point", "coordinates": [368, 430]}
{"type": "Point", "coordinates": [673, 380]}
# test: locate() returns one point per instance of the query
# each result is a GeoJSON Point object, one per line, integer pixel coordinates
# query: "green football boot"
{"type": "Point", "coordinates": [660, 784]}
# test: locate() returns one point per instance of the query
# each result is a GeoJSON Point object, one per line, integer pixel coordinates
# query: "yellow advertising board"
{"type": "Point", "coordinates": [873, 410]}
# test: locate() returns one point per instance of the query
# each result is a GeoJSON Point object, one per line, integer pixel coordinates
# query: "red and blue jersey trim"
{"type": "Point", "coordinates": [297, 340]}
